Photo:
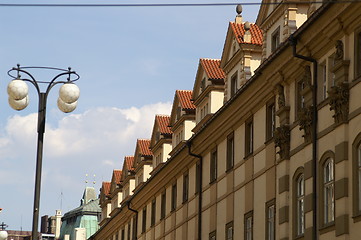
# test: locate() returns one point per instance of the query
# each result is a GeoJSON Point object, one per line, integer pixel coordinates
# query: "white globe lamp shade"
{"type": "Point", "coordinates": [19, 104]}
{"type": "Point", "coordinates": [66, 107]}
{"type": "Point", "coordinates": [69, 93]}
{"type": "Point", "coordinates": [18, 89]}
{"type": "Point", "coordinates": [3, 235]}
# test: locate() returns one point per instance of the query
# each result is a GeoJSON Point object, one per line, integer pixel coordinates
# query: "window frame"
{"type": "Point", "coordinates": [234, 83]}
{"type": "Point", "coordinates": [144, 219]}
{"type": "Point", "coordinates": [356, 178]}
{"type": "Point", "coordinates": [153, 212]}
{"type": "Point", "coordinates": [198, 180]}
{"type": "Point", "coordinates": [229, 226]}
{"type": "Point", "coordinates": [270, 220]}
{"type": "Point", "coordinates": [270, 119]}
{"type": "Point", "coordinates": [230, 152]}
{"type": "Point", "coordinates": [163, 203]}
{"type": "Point", "coordinates": [185, 187]}
{"type": "Point", "coordinates": [213, 165]}
{"type": "Point", "coordinates": [275, 39]}
{"type": "Point", "coordinates": [248, 229]}
{"type": "Point", "coordinates": [174, 198]}
{"type": "Point", "coordinates": [213, 235]}
{"type": "Point", "coordinates": [357, 56]}
{"type": "Point", "coordinates": [249, 137]}
{"type": "Point", "coordinates": [325, 183]}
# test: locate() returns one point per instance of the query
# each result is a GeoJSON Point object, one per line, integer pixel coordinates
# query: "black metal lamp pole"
{"type": "Point", "coordinates": [41, 126]}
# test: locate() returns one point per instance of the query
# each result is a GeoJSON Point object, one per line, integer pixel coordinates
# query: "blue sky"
{"type": "Point", "coordinates": [130, 59]}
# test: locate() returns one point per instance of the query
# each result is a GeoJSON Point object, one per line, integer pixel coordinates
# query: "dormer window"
{"type": "Point", "coordinates": [203, 84]}
{"type": "Point", "coordinates": [233, 84]}
{"type": "Point", "coordinates": [157, 136]}
{"type": "Point", "coordinates": [179, 112]}
{"type": "Point", "coordinates": [275, 39]}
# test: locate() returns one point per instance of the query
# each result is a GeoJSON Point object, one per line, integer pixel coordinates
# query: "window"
{"type": "Point", "coordinates": [135, 227]}
{"type": "Point", "coordinates": [212, 235]}
{"type": "Point", "coordinates": [234, 84]}
{"type": "Point", "coordinates": [152, 217]}
{"type": "Point", "coordinates": [270, 220]}
{"type": "Point", "coordinates": [123, 234]}
{"type": "Point", "coordinates": [230, 151]}
{"type": "Point", "coordinates": [129, 231]}
{"type": "Point", "coordinates": [328, 192]}
{"type": "Point", "coordinates": [162, 206]}
{"type": "Point", "coordinates": [300, 98]}
{"type": "Point", "coordinates": [213, 166]}
{"type": "Point", "coordinates": [174, 197]}
{"type": "Point", "coordinates": [359, 175]}
{"type": "Point", "coordinates": [356, 176]}
{"type": "Point", "coordinates": [179, 112]}
{"type": "Point", "coordinates": [144, 219]}
{"type": "Point", "coordinates": [198, 175]}
{"type": "Point", "coordinates": [203, 84]}
{"type": "Point", "coordinates": [229, 231]}
{"type": "Point", "coordinates": [249, 137]}
{"type": "Point", "coordinates": [270, 120]}
{"type": "Point", "coordinates": [185, 187]}
{"type": "Point", "coordinates": [358, 54]}
{"type": "Point", "coordinates": [248, 226]}
{"type": "Point", "coordinates": [300, 205]}
{"type": "Point", "coordinates": [275, 39]}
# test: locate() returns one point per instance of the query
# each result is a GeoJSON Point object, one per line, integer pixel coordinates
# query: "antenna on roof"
{"type": "Point", "coordinates": [239, 16]}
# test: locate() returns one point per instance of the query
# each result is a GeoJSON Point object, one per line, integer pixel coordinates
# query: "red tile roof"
{"type": "Point", "coordinates": [144, 145]}
{"type": "Point", "coordinates": [185, 97]}
{"type": "Point", "coordinates": [129, 161]}
{"type": "Point", "coordinates": [106, 188]}
{"type": "Point", "coordinates": [212, 68]}
{"type": "Point", "coordinates": [256, 33]}
{"type": "Point", "coordinates": [118, 175]}
{"type": "Point", "coordinates": [163, 123]}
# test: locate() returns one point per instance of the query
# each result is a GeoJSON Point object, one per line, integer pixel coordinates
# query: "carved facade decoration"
{"type": "Point", "coordinates": [282, 141]}
{"type": "Point", "coordinates": [281, 96]}
{"type": "Point", "coordinates": [339, 94]}
{"type": "Point", "coordinates": [339, 51]}
{"type": "Point", "coordinates": [305, 122]}
{"type": "Point", "coordinates": [339, 102]}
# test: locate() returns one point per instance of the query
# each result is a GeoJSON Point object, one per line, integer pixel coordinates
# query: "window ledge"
{"type": "Point", "coordinates": [327, 227]}
{"type": "Point", "coordinates": [357, 217]}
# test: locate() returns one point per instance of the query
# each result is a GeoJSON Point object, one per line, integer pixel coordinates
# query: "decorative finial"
{"type": "Point", "coordinates": [247, 26]}
{"type": "Point", "coordinates": [239, 9]}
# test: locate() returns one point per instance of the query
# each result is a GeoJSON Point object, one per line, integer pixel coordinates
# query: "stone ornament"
{"type": "Point", "coordinates": [282, 141]}
{"type": "Point", "coordinates": [339, 102]}
{"type": "Point", "coordinates": [305, 122]}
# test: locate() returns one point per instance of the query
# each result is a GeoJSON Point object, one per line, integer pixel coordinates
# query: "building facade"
{"type": "Point", "coordinates": [268, 143]}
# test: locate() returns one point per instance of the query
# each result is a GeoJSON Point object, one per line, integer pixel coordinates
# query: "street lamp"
{"type": "Point", "coordinates": [3, 233]}
{"type": "Point", "coordinates": [18, 100]}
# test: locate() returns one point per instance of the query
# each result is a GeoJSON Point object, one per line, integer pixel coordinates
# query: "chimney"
{"type": "Point", "coordinates": [247, 34]}
{"type": "Point", "coordinates": [239, 16]}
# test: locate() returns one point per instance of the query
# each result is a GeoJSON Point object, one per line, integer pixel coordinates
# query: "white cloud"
{"type": "Point", "coordinates": [92, 142]}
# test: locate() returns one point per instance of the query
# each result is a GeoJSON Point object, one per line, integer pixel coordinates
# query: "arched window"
{"type": "Point", "coordinates": [328, 191]}
{"type": "Point", "coordinates": [300, 205]}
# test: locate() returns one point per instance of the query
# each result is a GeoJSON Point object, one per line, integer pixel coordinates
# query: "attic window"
{"type": "Point", "coordinates": [203, 84]}
{"type": "Point", "coordinates": [275, 39]}
{"type": "Point", "coordinates": [157, 136]}
{"type": "Point", "coordinates": [179, 111]}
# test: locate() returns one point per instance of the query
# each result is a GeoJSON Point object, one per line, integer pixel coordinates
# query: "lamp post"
{"type": "Point", "coordinates": [18, 100]}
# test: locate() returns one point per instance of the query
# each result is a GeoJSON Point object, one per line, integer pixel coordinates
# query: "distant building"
{"type": "Point", "coordinates": [83, 219]}
{"type": "Point", "coordinates": [50, 226]}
